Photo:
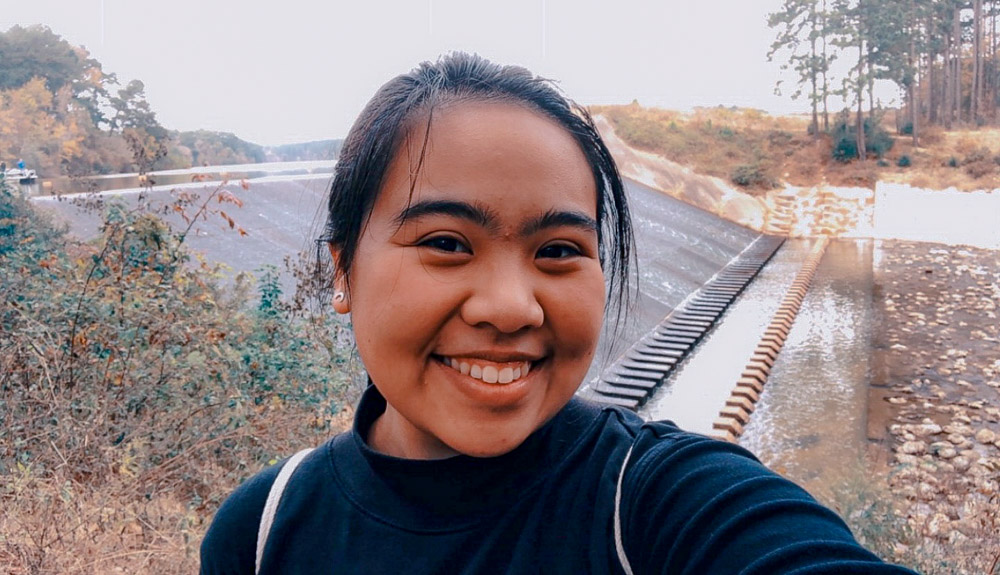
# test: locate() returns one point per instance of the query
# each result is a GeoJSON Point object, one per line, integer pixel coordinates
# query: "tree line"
{"type": "Point", "coordinates": [940, 54]}
{"type": "Point", "coordinates": [64, 115]}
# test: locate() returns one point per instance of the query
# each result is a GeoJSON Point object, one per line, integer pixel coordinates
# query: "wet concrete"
{"type": "Point", "coordinates": [678, 248]}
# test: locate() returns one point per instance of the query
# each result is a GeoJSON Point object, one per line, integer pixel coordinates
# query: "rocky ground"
{"type": "Point", "coordinates": [936, 398]}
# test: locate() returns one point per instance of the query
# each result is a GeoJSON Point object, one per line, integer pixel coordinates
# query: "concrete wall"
{"type": "Point", "coordinates": [940, 216]}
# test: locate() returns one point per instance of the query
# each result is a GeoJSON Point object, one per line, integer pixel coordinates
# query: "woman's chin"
{"type": "Point", "coordinates": [485, 447]}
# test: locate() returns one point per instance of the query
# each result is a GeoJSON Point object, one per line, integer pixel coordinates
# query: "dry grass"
{"type": "Point", "coordinates": [122, 522]}
{"type": "Point", "coordinates": [718, 141]}
{"type": "Point", "coordinates": [136, 393]}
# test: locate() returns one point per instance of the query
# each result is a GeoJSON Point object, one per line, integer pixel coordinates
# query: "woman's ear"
{"type": "Point", "coordinates": [341, 297]}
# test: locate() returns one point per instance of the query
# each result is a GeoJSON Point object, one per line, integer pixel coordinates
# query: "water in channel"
{"type": "Point", "coordinates": [810, 422]}
{"type": "Point", "coordinates": [693, 396]}
{"type": "Point", "coordinates": [811, 419]}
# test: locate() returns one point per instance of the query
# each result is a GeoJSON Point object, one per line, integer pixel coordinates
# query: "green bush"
{"type": "Point", "coordinates": [753, 176]}
{"type": "Point", "coordinates": [878, 142]}
{"type": "Point", "coordinates": [904, 161]}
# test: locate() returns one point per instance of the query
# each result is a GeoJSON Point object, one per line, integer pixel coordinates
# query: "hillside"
{"type": "Point", "coordinates": [758, 152]}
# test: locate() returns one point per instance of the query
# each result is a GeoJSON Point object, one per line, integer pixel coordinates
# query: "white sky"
{"type": "Point", "coordinates": [298, 70]}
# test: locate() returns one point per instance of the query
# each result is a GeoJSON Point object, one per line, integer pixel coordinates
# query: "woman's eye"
{"type": "Point", "coordinates": [446, 244]}
{"type": "Point", "coordinates": [558, 251]}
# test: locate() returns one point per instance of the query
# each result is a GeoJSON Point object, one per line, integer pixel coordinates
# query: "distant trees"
{"type": "Point", "coordinates": [940, 54]}
{"type": "Point", "coordinates": [64, 115]}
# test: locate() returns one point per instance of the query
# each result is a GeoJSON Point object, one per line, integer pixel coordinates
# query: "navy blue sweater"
{"type": "Point", "coordinates": [689, 505]}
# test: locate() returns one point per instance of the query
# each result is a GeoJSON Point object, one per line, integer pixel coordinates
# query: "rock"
{"type": "Point", "coordinates": [960, 429]}
{"type": "Point", "coordinates": [925, 429]}
{"type": "Point", "coordinates": [961, 463]}
{"type": "Point", "coordinates": [939, 526]}
{"type": "Point", "coordinates": [943, 449]}
{"type": "Point", "coordinates": [957, 439]}
{"type": "Point", "coordinates": [913, 448]}
{"type": "Point", "coordinates": [985, 436]}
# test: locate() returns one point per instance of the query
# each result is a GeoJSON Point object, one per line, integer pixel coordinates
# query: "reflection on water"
{"type": "Point", "coordinates": [810, 421]}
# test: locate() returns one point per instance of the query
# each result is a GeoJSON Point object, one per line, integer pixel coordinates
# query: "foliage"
{"type": "Point", "coordinates": [904, 161]}
{"type": "Point", "coordinates": [218, 148]}
{"type": "Point", "coordinates": [753, 176]}
{"type": "Point", "coordinates": [803, 34]}
{"type": "Point", "coordinates": [320, 150]}
{"type": "Point", "coordinates": [63, 115]}
{"type": "Point", "coordinates": [135, 392]}
{"type": "Point", "coordinates": [37, 52]}
{"type": "Point", "coordinates": [845, 138]}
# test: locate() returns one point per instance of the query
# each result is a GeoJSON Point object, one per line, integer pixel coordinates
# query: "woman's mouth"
{"type": "Point", "coordinates": [500, 373]}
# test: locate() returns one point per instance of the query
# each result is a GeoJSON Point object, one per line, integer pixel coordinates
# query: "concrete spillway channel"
{"type": "Point", "coordinates": [633, 378]}
{"type": "Point", "coordinates": [746, 393]}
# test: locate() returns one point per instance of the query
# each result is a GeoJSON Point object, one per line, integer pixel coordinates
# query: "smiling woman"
{"type": "Point", "coordinates": [475, 219]}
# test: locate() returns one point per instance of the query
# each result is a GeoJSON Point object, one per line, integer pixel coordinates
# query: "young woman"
{"type": "Point", "coordinates": [476, 220]}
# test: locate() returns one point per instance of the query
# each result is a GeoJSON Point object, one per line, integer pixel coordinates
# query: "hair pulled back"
{"type": "Point", "coordinates": [379, 130]}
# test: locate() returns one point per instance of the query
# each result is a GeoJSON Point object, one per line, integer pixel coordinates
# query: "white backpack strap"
{"type": "Point", "coordinates": [273, 498]}
{"type": "Point", "coordinates": [619, 545]}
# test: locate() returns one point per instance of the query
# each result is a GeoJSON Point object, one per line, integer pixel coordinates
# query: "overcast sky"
{"type": "Point", "coordinates": [298, 70]}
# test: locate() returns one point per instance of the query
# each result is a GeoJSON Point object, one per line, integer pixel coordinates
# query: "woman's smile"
{"type": "Point", "coordinates": [477, 293]}
{"type": "Point", "coordinates": [488, 371]}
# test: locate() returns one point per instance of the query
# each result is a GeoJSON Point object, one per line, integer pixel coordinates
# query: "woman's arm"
{"type": "Point", "coordinates": [695, 505]}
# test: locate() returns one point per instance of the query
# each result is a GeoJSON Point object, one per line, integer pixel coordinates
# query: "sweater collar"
{"type": "Point", "coordinates": [457, 492]}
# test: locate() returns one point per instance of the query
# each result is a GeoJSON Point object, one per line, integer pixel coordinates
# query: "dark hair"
{"type": "Point", "coordinates": [377, 133]}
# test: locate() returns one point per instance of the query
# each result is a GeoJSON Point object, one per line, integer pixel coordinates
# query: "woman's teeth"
{"type": "Point", "coordinates": [501, 373]}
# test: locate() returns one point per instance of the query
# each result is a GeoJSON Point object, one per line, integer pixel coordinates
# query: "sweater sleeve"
{"type": "Point", "coordinates": [230, 546]}
{"type": "Point", "coordinates": [693, 505]}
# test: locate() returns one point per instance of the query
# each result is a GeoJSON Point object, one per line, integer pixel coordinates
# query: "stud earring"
{"type": "Point", "coordinates": [338, 296]}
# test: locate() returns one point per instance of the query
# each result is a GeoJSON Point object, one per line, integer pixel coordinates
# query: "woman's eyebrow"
{"type": "Point", "coordinates": [554, 219]}
{"type": "Point", "coordinates": [463, 210]}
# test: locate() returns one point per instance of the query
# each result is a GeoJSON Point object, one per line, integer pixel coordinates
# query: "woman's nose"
{"type": "Point", "coordinates": [505, 298]}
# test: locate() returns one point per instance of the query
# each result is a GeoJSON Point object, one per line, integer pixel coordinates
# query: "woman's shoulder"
{"type": "Point", "coordinates": [230, 544]}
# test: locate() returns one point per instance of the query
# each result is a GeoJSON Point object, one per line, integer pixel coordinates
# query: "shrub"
{"type": "Point", "coordinates": [845, 138]}
{"type": "Point", "coordinates": [980, 168]}
{"type": "Point", "coordinates": [976, 155]}
{"type": "Point", "coordinates": [135, 393]}
{"type": "Point", "coordinates": [903, 161]}
{"type": "Point", "coordinates": [753, 176]}
{"type": "Point", "coordinates": [952, 162]}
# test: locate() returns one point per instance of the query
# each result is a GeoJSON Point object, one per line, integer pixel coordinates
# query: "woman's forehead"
{"type": "Point", "coordinates": [490, 152]}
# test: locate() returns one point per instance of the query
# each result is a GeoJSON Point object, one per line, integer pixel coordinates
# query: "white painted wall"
{"type": "Point", "coordinates": [940, 216]}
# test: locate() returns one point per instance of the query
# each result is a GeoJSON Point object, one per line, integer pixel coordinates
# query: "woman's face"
{"type": "Point", "coordinates": [477, 302]}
